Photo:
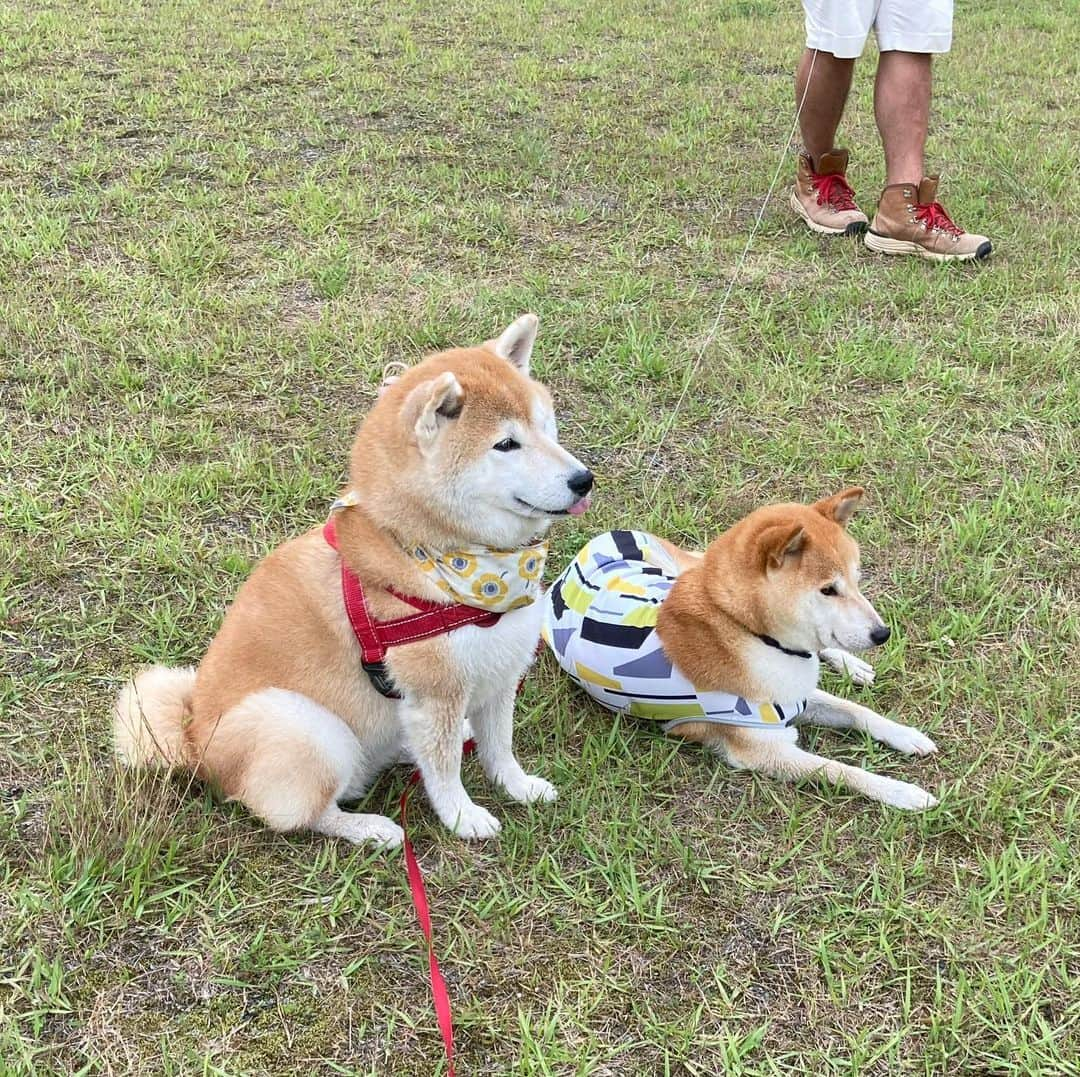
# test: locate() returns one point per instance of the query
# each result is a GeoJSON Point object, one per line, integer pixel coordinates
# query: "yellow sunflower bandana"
{"type": "Point", "coordinates": [496, 580]}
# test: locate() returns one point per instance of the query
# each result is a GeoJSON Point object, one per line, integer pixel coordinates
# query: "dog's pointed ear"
{"type": "Point", "coordinates": [840, 507]}
{"type": "Point", "coordinates": [780, 544]}
{"type": "Point", "coordinates": [431, 405]}
{"type": "Point", "coordinates": [515, 343]}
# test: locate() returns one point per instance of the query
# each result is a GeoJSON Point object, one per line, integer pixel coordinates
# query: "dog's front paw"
{"type": "Point", "coordinates": [474, 823]}
{"type": "Point", "coordinates": [527, 788]}
{"type": "Point", "coordinates": [905, 796]}
{"type": "Point", "coordinates": [860, 672]}
{"type": "Point", "coordinates": [910, 741]}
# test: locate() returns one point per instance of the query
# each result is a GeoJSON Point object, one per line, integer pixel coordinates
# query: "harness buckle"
{"type": "Point", "coordinates": [380, 679]}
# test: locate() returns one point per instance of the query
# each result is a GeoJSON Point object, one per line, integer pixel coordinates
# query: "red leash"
{"type": "Point", "coordinates": [374, 637]}
{"type": "Point", "coordinates": [440, 996]}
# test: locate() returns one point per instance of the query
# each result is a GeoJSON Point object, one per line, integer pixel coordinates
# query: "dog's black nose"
{"type": "Point", "coordinates": [581, 483]}
{"type": "Point", "coordinates": [880, 635]}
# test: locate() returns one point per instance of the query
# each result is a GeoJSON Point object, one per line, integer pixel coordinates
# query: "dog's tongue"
{"type": "Point", "coordinates": [580, 506]}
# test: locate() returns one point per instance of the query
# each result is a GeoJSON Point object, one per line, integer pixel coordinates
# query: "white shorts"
{"type": "Point", "coordinates": [842, 26]}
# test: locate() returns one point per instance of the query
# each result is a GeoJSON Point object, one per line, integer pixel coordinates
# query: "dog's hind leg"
{"type": "Point", "coordinates": [840, 661]}
{"type": "Point", "coordinates": [493, 721]}
{"type": "Point", "coordinates": [289, 761]}
{"type": "Point", "coordinates": [359, 828]}
{"type": "Point", "coordinates": [776, 755]}
{"type": "Point", "coordinates": [824, 709]}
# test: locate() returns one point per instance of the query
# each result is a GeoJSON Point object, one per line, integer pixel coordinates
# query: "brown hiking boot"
{"type": "Point", "coordinates": [910, 220]}
{"type": "Point", "coordinates": [824, 199]}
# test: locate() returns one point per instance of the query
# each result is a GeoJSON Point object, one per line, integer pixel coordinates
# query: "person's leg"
{"type": "Point", "coordinates": [902, 110]}
{"type": "Point", "coordinates": [836, 32]}
{"type": "Point", "coordinates": [822, 100]}
{"type": "Point", "coordinates": [909, 217]}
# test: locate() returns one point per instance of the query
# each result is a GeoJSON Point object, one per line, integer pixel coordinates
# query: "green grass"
{"type": "Point", "coordinates": [219, 222]}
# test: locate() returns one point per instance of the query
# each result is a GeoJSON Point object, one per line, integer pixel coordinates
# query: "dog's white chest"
{"type": "Point", "coordinates": [490, 659]}
{"type": "Point", "coordinates": [788, 676]}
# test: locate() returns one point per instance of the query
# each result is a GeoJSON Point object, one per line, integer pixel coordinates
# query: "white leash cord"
{"type": "Point", "coordinates": [711, 335]}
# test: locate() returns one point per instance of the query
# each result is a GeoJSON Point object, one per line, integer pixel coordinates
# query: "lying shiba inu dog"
{"type": "Point", "coordinates": [456, 476]}
{"type": "Point", "coordinates": [723, 647]}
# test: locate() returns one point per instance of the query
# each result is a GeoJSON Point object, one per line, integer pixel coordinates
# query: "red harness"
{"type": "Point", "coordinates": [376, 637]}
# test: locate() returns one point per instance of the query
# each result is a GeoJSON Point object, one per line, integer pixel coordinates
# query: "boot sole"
{"type": "Point", "coordinates": [856, 228]}
{"type": "Point", "coordinates": [875, 241]}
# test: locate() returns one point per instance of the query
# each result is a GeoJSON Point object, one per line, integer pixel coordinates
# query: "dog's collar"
{"type": "Point", "coordinates": [769, 641]}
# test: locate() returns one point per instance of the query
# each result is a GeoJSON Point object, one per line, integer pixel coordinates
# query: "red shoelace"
{"type": "Point", "coordinates": [933, 215]}
{"type": "Point", "coordinates": [835, 190]}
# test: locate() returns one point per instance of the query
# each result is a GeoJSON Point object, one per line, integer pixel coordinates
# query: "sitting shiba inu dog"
{"type": "Point", "coordinates": [723, 647]}
{"type": "Point", "coordinates": [456, 475]}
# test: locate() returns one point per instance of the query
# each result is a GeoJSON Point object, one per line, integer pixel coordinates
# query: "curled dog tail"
{"type": "Point", "coordinates": [151, 713]}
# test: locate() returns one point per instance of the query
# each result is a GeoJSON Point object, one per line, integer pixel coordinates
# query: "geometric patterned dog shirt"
{"type": "Point", "coordinates": [600, 621]}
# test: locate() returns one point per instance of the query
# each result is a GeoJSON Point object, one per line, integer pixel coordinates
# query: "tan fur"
{"type": "Point", "coordinates": [730, 594]}
{"type": "Point", "coordinates": [380, 460]}
{"type": "Point", "coordinates": [263, 643]}
{"type": "Point", "coordinates": [150, 715]}
{"type": "Point", "coordinates": [262, 720]}
{"type": "Point", "coordinates": [753, 581]}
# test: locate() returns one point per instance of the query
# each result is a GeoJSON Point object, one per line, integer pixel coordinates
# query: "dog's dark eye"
{"type": "Point", "coordinates": [829, 591]}
{"type": "Point", "coordinates": [506, 445]}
